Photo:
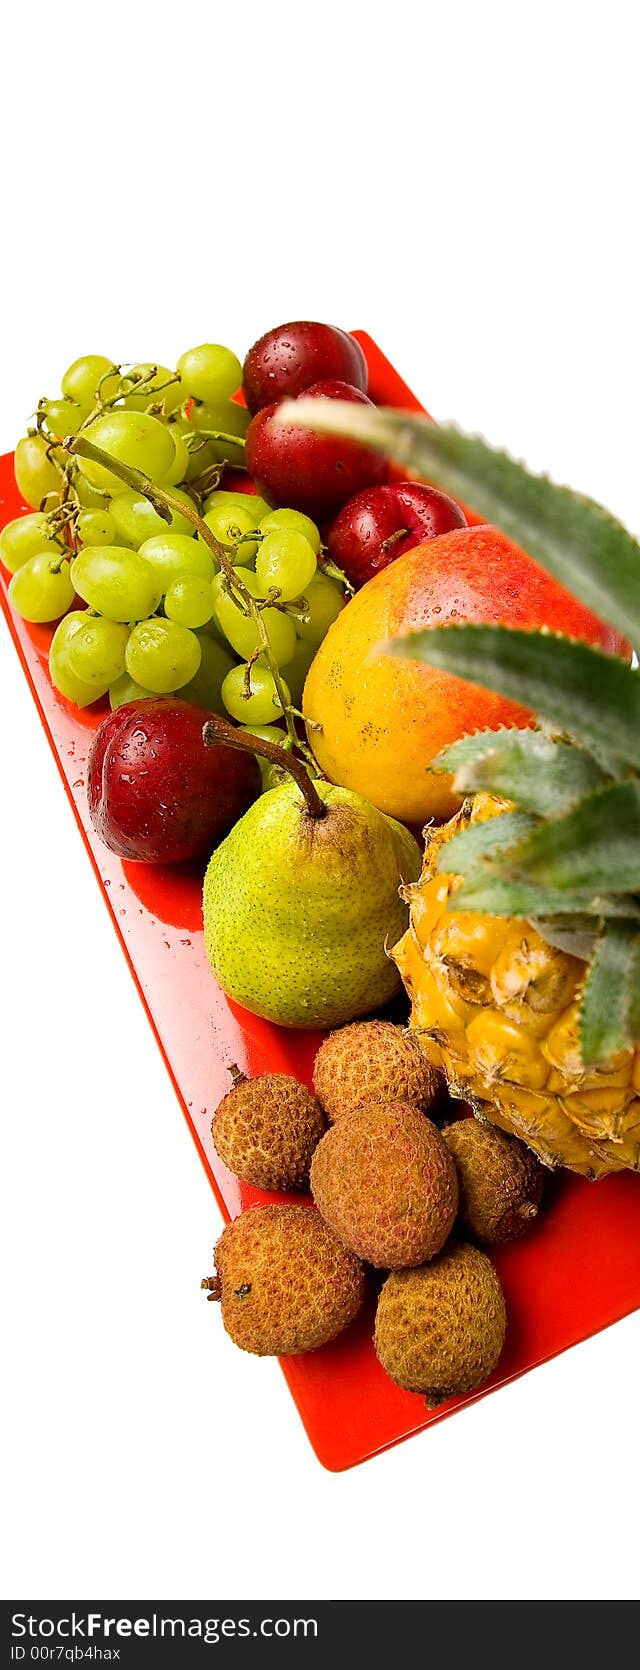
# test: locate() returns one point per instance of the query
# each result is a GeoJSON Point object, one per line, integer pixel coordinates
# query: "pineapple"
{"type": "Point", "coordinates": [522, 957]}
{"type": "Point", "coordinates": [497, 1007]}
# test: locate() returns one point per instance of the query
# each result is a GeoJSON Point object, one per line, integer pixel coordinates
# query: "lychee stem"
{"type": "Point", "coordinates": [217, 730]}
{"type": "Point", "coordinates": [236, 1073]}
{"type": "Point", "coordinates": [213, 1287]}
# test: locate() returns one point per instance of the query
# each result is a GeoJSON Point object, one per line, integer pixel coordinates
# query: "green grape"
{"type": "Point", "coordinates": [241, 630]}
{"type": "Point", "coordinates": [80, 381]}
{"type": "Point", "coordinates": [23, 538]}
{"type": "Point", "coordinates": [96, 527]}
{"type": "Point", "coordinates": [210, 372]}
{"type": "Point", "coordinates": [286, 561]}
{"type": "Point", "coordinates": [227, 522]}
{"type": "Point", "coordinates": [88, 496]}
{"type": "Point", "coordinates": [96, 654]}
{"type": "Point", "coordinates": [34, 471]}
{"type": "Point", "coordinates": [294, 520]}
{"type": "Point", "coordinates": [269, 773]}
{"type": "Point", "coordinates": [324, 602]}
{"type": "Point", "coordinates": [162, 656]}
{"type": "Point", "coordinates": [297, 669]}
{"type": "Point", "coordinates": [62, 675]}
{"type": "Point", "coordinates": [223, 495]}
{"type": "Point", "coordinates": [259, 507]}
{"type": "Point", "coordinates": [201, 457]}
{"type": "Point", "coordinates": [225, 415]}
{"type": "Point", "coordinates": [126, 690]}
{"type": "Point", "coordinates": [136, 520]}
{"type": "Point", "coordinates": [64, 417]}
{"type": "Point", "coordinates": [162, 389]}
{"type": "Point", "coordinates": [268, 733]}
{"type": "Point", "coordinates": [116, 582]}
{"type": "Point", "coordinates": [173, 555]}
{"type": "Point", "coordinates": [41, 589]}
{"type": "Point", "coordinates": [189, 601]}
{"type": "Point", "coordinates": [228, 417]}
{"type": "Point", "coordinates": [213, 631]}
{"type": "Point", "coordinates": [204, 690]}
{"type": "Point", "coordinates": [247, 578]}
{"type": "Point", "coordinates": [180, 464]}
{"type": "Point", "coordinates": [261, 705]}
{"type": "Point", "coordinates": [133, 438]}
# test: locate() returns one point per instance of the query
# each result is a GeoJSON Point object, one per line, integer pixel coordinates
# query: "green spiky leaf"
{"type": "Point", "coordinates": [571, 536]}
{"type": "Point", "coordinates": [594, 696]}
{"type": "Point", "coordinates": [541, 775]}
{"type": "Point", "coordinates": [483, 840]}
{"type": "Point", "coordinates": [576, 935]}
{"type": "Point", "coordinates": [610, 994]}
{"type": "Point", "coordinates": [596, 845]}
{"type": "Point", "coordinates": [499, 895]}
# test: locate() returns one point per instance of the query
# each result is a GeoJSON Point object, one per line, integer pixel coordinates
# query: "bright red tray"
{"type": "Point", "coordinates": [578, 1271]}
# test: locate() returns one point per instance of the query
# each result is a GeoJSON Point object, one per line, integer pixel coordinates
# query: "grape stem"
{"type": "Point", "coordinates": [328, 566]}
{"type": "Point", "coordinates": [217, 730]}
{"type": "Point", "coordinates": [164, 501]}
{"type": "Point", "coordinates": [221, 435]}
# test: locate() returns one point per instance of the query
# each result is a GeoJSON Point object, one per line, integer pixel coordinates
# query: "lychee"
{"type": "Point", "coordinates": [500, 1181]}
{"type": "Point", "coordinates": [373, 1061]}
{"type": "Point", "coordinates": [385, 1182]}
{"type": "Point", "coordinates": [266, 1129]}
{"type": "Point", "coordinates": [284, 1282]}
{"type": "Point", "coordinates": [440, 1329]}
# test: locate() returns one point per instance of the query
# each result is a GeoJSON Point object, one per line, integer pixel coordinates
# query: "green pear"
{"type": "Point", "coordinates": [298, 909]}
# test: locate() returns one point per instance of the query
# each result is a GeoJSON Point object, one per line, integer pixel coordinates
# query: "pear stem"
{"type": "Point", "coordinates": [217, 730]}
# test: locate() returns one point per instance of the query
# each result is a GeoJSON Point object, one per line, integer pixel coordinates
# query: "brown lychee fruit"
{"type": "Point", "coordinates": [285, 1283]}
{"type": "Point", "coordinates": [500, 1181]}
{"type": "Point", "coordinates": [440, 1329]}
{"type": "Point", "coordinates": [385, 1182]}
{"type": "Point", "coordinates": [374, 1061]}
{"type": "Point", "coordinates": [265, 1130]}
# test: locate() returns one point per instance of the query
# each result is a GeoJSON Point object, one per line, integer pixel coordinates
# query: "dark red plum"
{"type": "Point", "coordinates": [155, 792]}
{"type": "Point", "coordinates": [287, 360]}
{"type": "Point", "coordinates": [313, 473]}
{"type": "Point", "coordinates": [381, 523]}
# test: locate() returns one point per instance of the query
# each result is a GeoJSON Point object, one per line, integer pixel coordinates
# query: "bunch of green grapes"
{"type": "Point", "coordinates": [162, 614]}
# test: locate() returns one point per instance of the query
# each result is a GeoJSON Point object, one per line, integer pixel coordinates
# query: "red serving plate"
{"type": "Point", "coordinates": [575, 1273]}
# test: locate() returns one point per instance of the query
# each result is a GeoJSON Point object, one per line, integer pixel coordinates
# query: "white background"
{"type": "Point", "coordinates": [462, 182]}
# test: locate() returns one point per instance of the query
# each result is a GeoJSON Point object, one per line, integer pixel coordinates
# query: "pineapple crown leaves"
{"type": "Point", "coordinates": [543, 774]}
{"type": "Point", "coordinates": [568, 857]}
{"type": "Point", "coordinates": [610, 1007]}
{"type": "Point", "coordinates": [569, 535]}
{"type": "Point", "coordinates": [593, 696]}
